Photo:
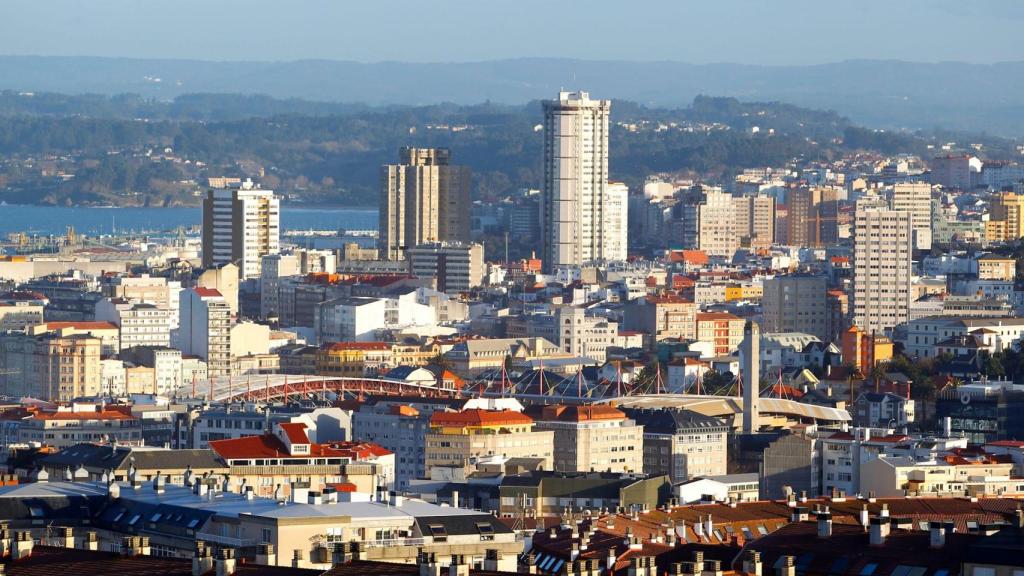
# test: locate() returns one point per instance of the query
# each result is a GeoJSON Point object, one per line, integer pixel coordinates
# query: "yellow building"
{"type": "Point", "coordinates": [354, 359]}
{"type": "Point", "coordinates": [995, 267]}
{"type": "Point", "coordinates": [1008, 207]}
{"type": "Point", "coordinates": [457, 437]}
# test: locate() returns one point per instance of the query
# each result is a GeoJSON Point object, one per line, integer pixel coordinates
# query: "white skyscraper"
{"type": "Point", "coordinates": [883, 244]}
{"type": "Point", "coordinates": [616, 222]}
{"type": "Point", "coordinates": [915, 198]}
{"type": "Point", "coordinates": [578, 221]}
{"type": "Point", "coordinates": [240, 225]}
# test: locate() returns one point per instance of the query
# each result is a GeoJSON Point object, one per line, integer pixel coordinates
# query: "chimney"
{"type": "Point", "coordinates": [249, 493]}
{"type": "Point", "coordinates": [67, 537]}
{"type": "Point", "coordinates": [799, 514]}
{"type": "Point", "coordinates": [396, 499]}
{"type": "Point", "coordinates": [710, 527]}
{"type": "Point", "coordinates": [5, 539]}
{"type": "Point", "coordinates": [91, 541]}
{"type": "Point", "coordinates": [752, 563]}
{"type": "Point", "coordinates": [712, 568]}
{"type": "Point", "coordinates": [135, 546]}
{"type": "Point", "coordinates": [786, 567]}
{"type": "Point", "coordinates": [459, 566]}
{"type": "Point", "coordinates": [864, 516]}
{"type": "Point", "coordinates": [574, 553]}
{"type": "Point", "coordinates": [824, 524]}
{"type": "Point", "coordinates": [884, 513]}
{"type": "Point", "coordinates": [641, 566]}
{"type": "Point", "coordinates": [277, 492]}
{"type": "Point", "coordinates": [750, 351]}
{"type": "Point", "coordinates": [330, 495]}
{"type": "Point", "coordinates": [609, 562]}
{"type": "Point", "coordinates": [492, 560]}
{"type": "Point", "coordinates": [22, 545]}
{"type": "Point", "coordinates": [265, 555]}
{"type": "Point", "coordinates": [202, 560]}
{"type": "Point", "coordinates": [201, 488]}
{"type": "Point", "coordinates": [790, 497]}
{"type": "Point", "coordinates": [455, 498]}
{"type": "Point", "coordinates": [529, 566]}
{"type": "Point", "coordinates": [315, 498]}
{"type": "Point", "coordinates": [429, 566]}
{"type": "Point", "coordinates": [300, 493]}
{"type": "Point", "coordinates": [879, 531]}
{"type": "Point", "coordinates": [158, 483]}
{"type": "Point", "coordinates": [937, 537]}
{"type": "Point", "coordinates": [225, 564]}
{"type": "Point", "coordinates": [1019, 515]}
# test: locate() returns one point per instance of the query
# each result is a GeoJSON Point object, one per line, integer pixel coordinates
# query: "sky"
{"type": "Point", "coordinates": [780, 32]}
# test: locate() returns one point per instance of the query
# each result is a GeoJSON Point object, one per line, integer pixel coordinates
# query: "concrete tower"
{"type": "Point", "coordinates": [750, 351]}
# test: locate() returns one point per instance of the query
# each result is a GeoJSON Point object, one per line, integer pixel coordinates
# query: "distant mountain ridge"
{"type": "Point", "coordinates": [891, 94]}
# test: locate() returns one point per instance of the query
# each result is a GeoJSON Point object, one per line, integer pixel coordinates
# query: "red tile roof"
{"type": "Point", "coordinates": [207, 292]}
{"type": "Point", "coordinates": [478, 417]}
{"type": "Point", "coordinates": [270, 446]}
{"type": "Point", "coordinates": [80, 325]}
{"type": "Point", "coordinates": [295, 431]}
{"type": "Point", "coordinates": [565, 413]}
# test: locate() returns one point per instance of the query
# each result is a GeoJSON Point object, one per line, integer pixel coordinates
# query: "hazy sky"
{"type": "Point", "coordinates": [744, 31]}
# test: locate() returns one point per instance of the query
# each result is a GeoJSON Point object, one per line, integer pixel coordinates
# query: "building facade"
{"type": "Point", "coordinates": [240, 225]}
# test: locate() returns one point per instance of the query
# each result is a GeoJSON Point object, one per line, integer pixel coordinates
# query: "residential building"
{"type": "Point", "coordinates": [954, 170]}
{"type": "Point", "coordinates": [358, 318]}
{"type": "Point", "coordinates": [1006, 213]}
{"type": "Point", "coordinates": [240, 226]}
{"type": "Point", "coordinates": [165, 362]}
{"type": "Point", "coordinates": [546, 494]}
{"type": "Point", "coordinates": [423, 199]}
{"type": "Point", "coordinates": [791, 463]}
{"type": "Point", "coordinates": [575, 224]}
{"type": "Point", "coordinates": [717, 234]}
{"type": "Point", "coordinates": [205, 329]}
{"type": "Point", "coordinates": [915, 198]}
{"type": "Point", "coordinates": [139, 323]}
{"type": "Point", "coordinates": [593, 438]}
{"type": "Point", "coordinates": [662, 317]}
{"type": "Point", "coordinates": [968, 474]}
{"type": "Point", "coordinates": [457, 267]}
{"type": "Point", "coordinates": [796, 303]}
{"type": "Point", "coordinates": [755, 220]}
{"type": "Point", "coordinates": [883, 410]}
{"type": "Point", "coordinates": [55, 366]}
{"type": "Point", "coordinates": [457, 438]}
{"type": "Point", "coordinates": [682, 444]}
{"type": "Point", "coordinates": [285, 463]}
{"type": "Point", "coordinates": [726, 488]}
{"type": "Point", "coordinates": [812, 216]}
{"type": "Point", "coordinates": [882, 268]}
{"type": "Point", "coordinates": [721, 329]}
{"type": "Point", "coordinates": [616, 222]}
{"type": "Point", "coordinates": [20, 314]}
{"type": "Point", "coordinates": [72, 424]}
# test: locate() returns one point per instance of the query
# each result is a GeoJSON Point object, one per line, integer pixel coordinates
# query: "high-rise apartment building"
{"type": "Point", "coordinates": [717, 223]}
{"type": "Point", "coordinates": [883, 244]}
{"type": "Point", "coordinates": [582, 220]}
{"type": "Point", "coordinates": [1007, 208]}
{"type": "Point", "coordinates": [205, 329]}
{"type": "Point", "coordinates": [455, 266]}
{"type": "Point", "coordinates": [423, 199]}
{"type": "Point", "coordinates": [240, 225]}
{"type": "Point", "coordinates": [915, 198]}
{"type": "Point", "coordinates": [813, 217]}
{"type": "Point", "coordinates": [755, 220]}
{"type": "Point", "coordinates": [796, 303]}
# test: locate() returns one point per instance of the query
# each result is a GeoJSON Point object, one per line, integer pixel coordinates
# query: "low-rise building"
{"type": "Point", "coordinates": [457, 438]}
{"type": "Point", "coordinates": [593, 438]}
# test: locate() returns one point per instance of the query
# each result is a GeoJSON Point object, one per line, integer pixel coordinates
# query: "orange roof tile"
{"type": "Point", "coordinates": [479, 417]}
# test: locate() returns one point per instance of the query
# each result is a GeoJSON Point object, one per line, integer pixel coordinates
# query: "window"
{"type": "Point", "coordinates": [868, 569]}
{"type": "Point", "coordinates": [438, 533]}
{"type": "Point", "coordinates": [193, 523]}
{"type": "Point", "coordinates": [486, 530]}
{"type": "Point", "coordinates": [134, 519]}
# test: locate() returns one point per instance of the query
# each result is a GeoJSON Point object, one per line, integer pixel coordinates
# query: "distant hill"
{"type": "Point", "coordinates": [891, 94]}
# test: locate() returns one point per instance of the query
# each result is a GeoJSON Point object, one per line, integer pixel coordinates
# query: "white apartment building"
{"type": "Point", "coordinates": [205, 329]}
{"type": "Point", "coordinates": [273, 269]}
{"type": "Point", "coordinates": [717, 214]}
{"type": "Point", "coordinates": [881, 268]}
{"type": "Point", "coordinates": [582, 335]}
{"type": "Point", "coordinates": [139, 323]}
{"type": "Point", "coordinates": [240, 225]}
{"type": "Point", "coordinates": [923, 334]}
{"type": "Point", "coordinates": [574, 200]}
{"type": "Point", "coordinates": [358, 318]}
{"type": "Point", "coordinates": [915, 198]}
{"type": "Point", "coordinates": [616, 233]}
{"type": "Point", "coordinates": [147, 289]}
